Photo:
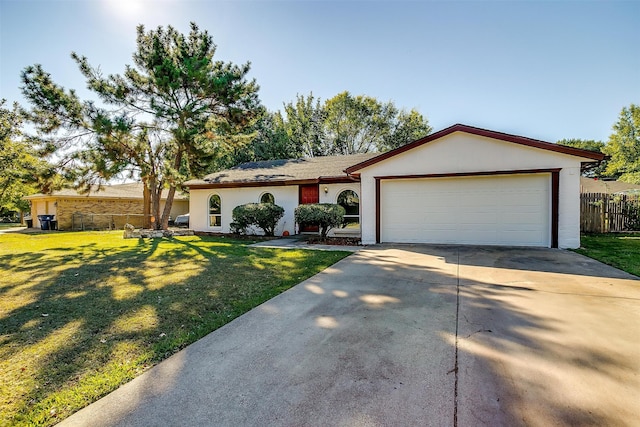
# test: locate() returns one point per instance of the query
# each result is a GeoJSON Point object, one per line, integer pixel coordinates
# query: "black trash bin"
{"type": "Point", "coordinates": [45, 221]}
{"type": "Point", "coordinates": [29, 223]}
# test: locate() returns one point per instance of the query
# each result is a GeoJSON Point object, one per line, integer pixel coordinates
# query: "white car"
{"type": "Point", "coordinates": [182, 220]}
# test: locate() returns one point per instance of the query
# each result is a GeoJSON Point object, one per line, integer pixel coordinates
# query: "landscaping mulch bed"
{"type": "Point", "coordinates": [336, 241]}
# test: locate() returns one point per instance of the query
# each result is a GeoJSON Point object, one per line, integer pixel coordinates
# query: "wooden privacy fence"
{"type": "Point", "coordinates": [609, 213]}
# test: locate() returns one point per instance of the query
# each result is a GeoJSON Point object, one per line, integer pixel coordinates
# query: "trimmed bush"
{"type": "Point", "coordinates": [263, 215]}
{"type": "Point", "coordinates": [324, 215]}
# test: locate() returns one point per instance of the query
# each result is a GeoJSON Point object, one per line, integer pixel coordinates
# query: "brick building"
{"type": "Point", "coordinates": [109, 207]}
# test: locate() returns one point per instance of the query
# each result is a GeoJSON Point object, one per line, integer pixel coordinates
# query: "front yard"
{"type": "Point", "coordinates": [82, 313]}
{"type": "Point", "coordinates": [621, 250]}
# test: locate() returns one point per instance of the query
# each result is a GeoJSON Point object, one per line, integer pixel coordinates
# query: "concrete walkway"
{"type": "Point", "coordinates": [13, 230]}
{"type": "Point", "coordinates": [411, 336]}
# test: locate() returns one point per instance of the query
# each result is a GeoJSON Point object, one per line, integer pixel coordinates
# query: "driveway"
{"type": "Point", "coordinates": [411, 335]}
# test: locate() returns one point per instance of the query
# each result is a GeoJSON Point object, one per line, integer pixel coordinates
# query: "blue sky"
{"type": "Point", "coordinates": [546, 70]}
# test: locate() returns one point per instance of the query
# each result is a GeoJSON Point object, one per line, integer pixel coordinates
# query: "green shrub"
{"type": "Point", "coordinates": [324, 215]}
{"type": "Point", "coordinates": [262, 215]}
{"type": "Point", "coordinates": [631, 212]}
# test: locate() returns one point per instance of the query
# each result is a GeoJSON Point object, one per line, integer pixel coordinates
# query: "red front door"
{"type": "Point", "coordinates": [309, 194]}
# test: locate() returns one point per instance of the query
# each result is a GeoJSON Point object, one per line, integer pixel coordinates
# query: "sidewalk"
{"type": "Point", "coordinates": [14, 229]}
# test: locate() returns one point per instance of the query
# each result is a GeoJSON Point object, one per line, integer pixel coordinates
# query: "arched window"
{"type": "Point", "coordinates": [267, 198]}
{"type": "Point", "coordinates": [215, 211]}
{"type": "Point", "coordinates": [350, 201]}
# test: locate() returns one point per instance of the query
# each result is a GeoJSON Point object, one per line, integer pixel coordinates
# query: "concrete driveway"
{"type": "Point", "coordinates": [411, 335]}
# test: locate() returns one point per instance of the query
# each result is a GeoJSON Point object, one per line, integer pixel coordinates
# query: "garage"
{"type": "Point", "coordinates": [510, 210]}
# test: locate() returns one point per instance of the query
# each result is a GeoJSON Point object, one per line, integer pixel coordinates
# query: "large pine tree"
{"type": "Point", "coordinates": [164, 120]}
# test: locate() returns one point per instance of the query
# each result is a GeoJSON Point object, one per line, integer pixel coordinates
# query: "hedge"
{"type": "Point", "coordinates": [323, 215]}
{"type": "Point", "coordinates": [261, 215]}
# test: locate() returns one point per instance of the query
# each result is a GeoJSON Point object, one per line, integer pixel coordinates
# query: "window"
{"type": "Point", "coordinates": [267, 198]}
{"type": "Point", "coordinates": [215, 211]}
{"type": "Point", "coordinates": [350, 201]}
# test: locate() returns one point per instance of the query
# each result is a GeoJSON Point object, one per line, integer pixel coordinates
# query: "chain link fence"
{"type": "Point", "coordinates": [90, 221]}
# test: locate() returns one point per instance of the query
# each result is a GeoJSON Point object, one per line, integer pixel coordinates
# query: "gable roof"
{"type": "Point", "coordinates": [480, 132]}
{"type": "Point", "coordinates": [283, 172]}
{"type": "Point", "coordinates": [133, 190]}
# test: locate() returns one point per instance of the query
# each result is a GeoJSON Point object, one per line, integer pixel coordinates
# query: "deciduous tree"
{"type": "Point", "coordinates": [344, 124]}
{"type": "Point", "coordinates": [406, 127]}
{"type": "Point", "coordinates": [303, 123]}
{"type": "Point", "coordinates": [592, 170]}
{"type": "Point", "coordinates": [623, 146]}
{"type": "Point", "coordinates": [22, 170]}
{"type": "Point", "coordinates": [357, 124]}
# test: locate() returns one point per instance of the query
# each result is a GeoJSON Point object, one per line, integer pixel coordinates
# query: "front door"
{"type": "Point", "coordinates": [309, 194]}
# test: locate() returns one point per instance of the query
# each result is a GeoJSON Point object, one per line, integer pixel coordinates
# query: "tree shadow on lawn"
{"type": "Point", "coordinates": [80, 321]}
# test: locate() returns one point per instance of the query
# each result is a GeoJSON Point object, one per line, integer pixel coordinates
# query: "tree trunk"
{"type": "Point", "coordinates": [146, 205]}
{"type": "Point", "coordinates": [168, 204]}
{"type": "Point", "coordinates": [167, 207]}
{"type": "Point", "coordinates": [155, 214]}
{"type": "Point", "coordinates": [155, 191]}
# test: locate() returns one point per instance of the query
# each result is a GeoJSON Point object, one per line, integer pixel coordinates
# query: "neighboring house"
{"type": "Point", "coordinates": [461, 185]}
{"type": "Point", "coordinates": [105, 207]}
{"type": "Point", "coordinates": [591, 185]}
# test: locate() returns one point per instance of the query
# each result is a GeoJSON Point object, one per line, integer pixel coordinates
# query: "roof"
{"type": "Point", "coordinates": [342, 168]}
{"type": "Point", "coordinates": [593, 155]}
{"type": "Point", "coordinates": [283, 172]}
{"type": "Point", "coordinates": [590, 185]}
{"type": "Point", "coordinates": [132, 190]}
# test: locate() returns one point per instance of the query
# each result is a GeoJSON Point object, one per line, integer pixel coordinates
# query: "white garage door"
{"type": "Point", "coordinates": [493, 210]}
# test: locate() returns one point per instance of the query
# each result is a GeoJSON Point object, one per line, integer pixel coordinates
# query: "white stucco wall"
{"type": "Point", "coordinates": [462, 152]}
{"type": "Point", "coordinates": [286, 196]}
{"type": "Point", "coordinates": [333, 191]}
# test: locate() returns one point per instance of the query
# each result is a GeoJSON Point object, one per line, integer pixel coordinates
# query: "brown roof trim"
{"type": "Point", "coordinates": [467, 174]}
{"type": "Point", "coordinates": [321, 180]}
{"type": "Point", "coordinates": [338, 179]}
{"type": "Point", "coordinates": [93, 196]}
{"type": "Point", "coordinates": [279, 183]}
{"type": "Point", "coordinates": [480, 132]}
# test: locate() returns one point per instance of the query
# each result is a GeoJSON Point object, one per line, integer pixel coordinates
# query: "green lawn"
{"type": "Point", "coordinates": [82, 313]}
{"type": "Point", "coordinates": [619, 250]}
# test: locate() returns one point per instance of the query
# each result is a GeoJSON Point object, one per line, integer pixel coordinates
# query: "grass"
{"type": "Point", "coordinates": [619, 250]}
{"type": "Point", "coordinates": [82, 313]}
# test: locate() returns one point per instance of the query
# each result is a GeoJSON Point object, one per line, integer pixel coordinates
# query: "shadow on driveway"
{"type": "Point", "coordinates": [411, 335]}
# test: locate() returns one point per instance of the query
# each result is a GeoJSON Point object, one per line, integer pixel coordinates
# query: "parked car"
{"type": "Point", "coordinates": [9, 219]}
{"type": "Point", "coordinates": [182, 220]}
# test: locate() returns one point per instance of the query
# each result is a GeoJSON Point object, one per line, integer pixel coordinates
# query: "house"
{"type": "Point", "coordinates": [461, 185]}
{"type": "Point", "coordinates": [108, 206]}
{"type": "Point", "coordinates": [591, 185]}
